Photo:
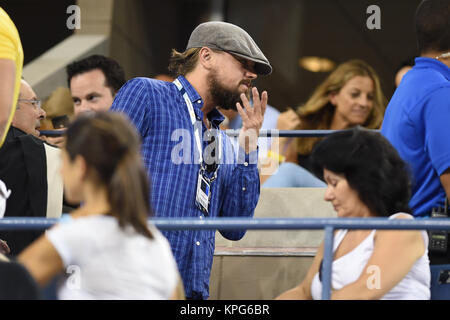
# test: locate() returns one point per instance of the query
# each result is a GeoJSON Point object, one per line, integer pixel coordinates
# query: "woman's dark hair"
{"type": "Point", "coordinates": [111, 148]}
{"type": "Point", "coordinates": [371, 166]}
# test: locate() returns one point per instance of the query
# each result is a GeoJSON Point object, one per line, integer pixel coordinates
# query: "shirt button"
{"type": "Point", "coordinates": [197, 243]}
{"type": "Point", "coordinates": [246, 164]}
{"type": "Point", "coordinates": [243, 189]}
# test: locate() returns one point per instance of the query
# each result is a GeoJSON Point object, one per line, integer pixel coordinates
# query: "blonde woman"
{"type": "Point", "coordinates": [350, 96]}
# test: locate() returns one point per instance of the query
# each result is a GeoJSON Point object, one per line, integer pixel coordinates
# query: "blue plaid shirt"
{"type": "Point", "coordinates": [160, 114]}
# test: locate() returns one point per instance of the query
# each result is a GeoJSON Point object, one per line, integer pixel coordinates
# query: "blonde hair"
{"type": "Point", "coordinates": [182, 63]}
{"type": "Point", "coordinates": [317, 113]}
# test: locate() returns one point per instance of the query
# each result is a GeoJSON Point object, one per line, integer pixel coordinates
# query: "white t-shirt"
{"type": "Point", "coordinates": [103, 261]}
{"type": "Point", "coordinates": [348, 268]}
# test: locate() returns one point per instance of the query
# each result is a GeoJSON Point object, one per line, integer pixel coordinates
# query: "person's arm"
{"type": "Point", "coordinates": [42, 260]}
{"type": "Point", "coordinates": [282, 149]}
{"type": "Point", "coordinates": [133, 99]}
{"type": "Point", "coordinates": [242, 191]}
{"type": "Point", "coordinates": [445, 181]}
{"type": "Point", "coordinates": [303, 290]}
{"type": "Point", "coordinates": [394, 254]}
{"type": "Point", "coordinates": [7, 80]}
{"type": "Point", "coordinates": [288, 120]}
{"type": "Point", "coordinates": [286, 147]}
{"type": "Point", "coordinates": [178, 292]}
{"type": "Point", "coordinates": [55, 141]}
{"type": "Point", "coordinates": [437, 144]}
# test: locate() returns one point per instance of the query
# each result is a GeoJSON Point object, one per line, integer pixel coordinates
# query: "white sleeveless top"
{"type": "Point", "coordinates": [348, 268]}
{"type": "Point", "coordinates": [104, 261]}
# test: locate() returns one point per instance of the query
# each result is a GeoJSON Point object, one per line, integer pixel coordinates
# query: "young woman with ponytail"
{"type": "Point", "coordinates": [106, 248]}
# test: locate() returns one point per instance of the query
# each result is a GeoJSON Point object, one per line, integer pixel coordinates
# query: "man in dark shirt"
{"type": "Point", "coordinates": [29, 168]}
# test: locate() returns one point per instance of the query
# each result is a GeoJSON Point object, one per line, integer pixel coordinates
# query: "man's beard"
{"type": "Point", "coordinates": [223, 97]}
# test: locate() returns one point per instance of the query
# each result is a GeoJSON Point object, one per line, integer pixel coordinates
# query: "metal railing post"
{"type": "Point", "coordinates": [327, 263]}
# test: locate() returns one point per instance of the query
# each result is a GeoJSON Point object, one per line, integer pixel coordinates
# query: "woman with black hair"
{"type": "Point", "coordinates": [366, 178]}
{"type": "Point", "coordinates": [106, 247]}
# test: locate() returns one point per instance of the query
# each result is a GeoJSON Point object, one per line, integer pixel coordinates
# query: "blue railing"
{"type": "Point", "coordinates": [328, 224]}
{"type": "Point", "coordinates": [290, 133]}
{"type": "Point", "coordinates": [235, 133]}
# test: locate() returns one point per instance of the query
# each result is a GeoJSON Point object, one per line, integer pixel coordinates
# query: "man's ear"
{"type": "Point", "coordinates": [205, 57]}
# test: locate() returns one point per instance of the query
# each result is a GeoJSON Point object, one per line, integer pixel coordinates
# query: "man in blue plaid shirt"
{"type": "Point", "coordinates": [193, 167]}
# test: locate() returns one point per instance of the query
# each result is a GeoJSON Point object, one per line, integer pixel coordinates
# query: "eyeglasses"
{"type": "Point", "coordinates": [36, 103]}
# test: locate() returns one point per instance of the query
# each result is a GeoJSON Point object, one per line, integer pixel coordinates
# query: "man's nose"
{"type": "Point", "coordinates": [251, 74]}
{"type": "Point", "coordinates": [42, 114]}
{"type": "Point", "coordinates": [83, 106]}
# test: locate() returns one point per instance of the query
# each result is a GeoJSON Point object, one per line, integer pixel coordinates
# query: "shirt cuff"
{"type": "Point", "coordinates": [248, 160]}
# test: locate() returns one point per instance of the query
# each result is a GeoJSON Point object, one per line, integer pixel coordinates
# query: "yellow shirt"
{"type": "Point", "coordinates": [11, 48]}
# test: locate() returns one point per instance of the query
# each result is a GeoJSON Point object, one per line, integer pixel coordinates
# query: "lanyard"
{"type": "Point", "coordinates": [197, 128]}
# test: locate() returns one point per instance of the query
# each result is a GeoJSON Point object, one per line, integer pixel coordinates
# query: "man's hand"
{"type": "Point", "coordinates": [252, 119]}
{"type": "Point", "coordinates": [4, 248]}
{"type": "Point", "coordinates": [56, 141]}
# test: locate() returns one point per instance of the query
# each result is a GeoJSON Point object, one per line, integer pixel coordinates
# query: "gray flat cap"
{"type": "Point", "coordinates": [230, 38]}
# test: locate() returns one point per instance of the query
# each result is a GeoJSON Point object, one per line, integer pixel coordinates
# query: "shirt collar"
{"type": "Point", "coordinates": [236, 123]}
{"type": "Point", "coordinates": [191, 92]}
{"type": "Point", "coordinates": [424, 62]}
{"type": "Point", "coordinates": [214, 116]}
{"type": "Point", "coordinates": [14, 132]}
